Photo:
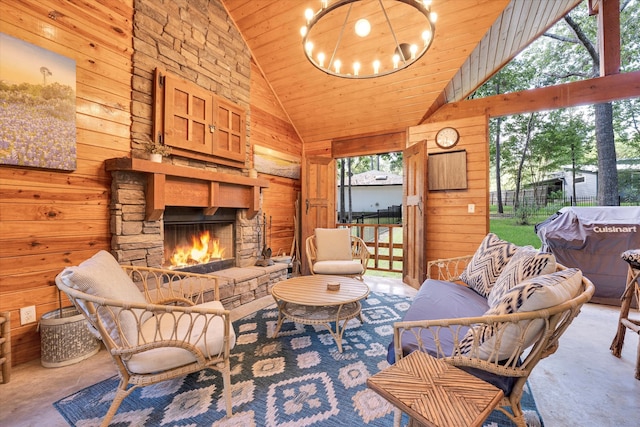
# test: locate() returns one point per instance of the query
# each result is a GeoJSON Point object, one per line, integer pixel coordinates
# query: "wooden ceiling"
{"type": "Point", "coordinates": [473, 40]}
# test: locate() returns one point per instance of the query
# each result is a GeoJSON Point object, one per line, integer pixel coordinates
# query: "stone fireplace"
{"type": "Point", "coordinates": [156, 207]}
{"type": "Point", "coordinates": [197, 242]}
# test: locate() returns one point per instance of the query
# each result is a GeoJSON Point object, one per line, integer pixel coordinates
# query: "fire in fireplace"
{"type": "Point", "coordinates": [197, 242]}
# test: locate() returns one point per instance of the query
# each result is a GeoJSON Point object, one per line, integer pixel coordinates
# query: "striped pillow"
{"type": "Point", "coordinates": [487, 264]}
{"type": "Point", "coordinates": [533, 294]}
{"type": "Point", "coordinates": [526, 263]}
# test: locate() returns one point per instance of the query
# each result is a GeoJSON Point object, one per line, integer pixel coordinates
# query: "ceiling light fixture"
{"type": "Point", "coordinates": [376, 37]}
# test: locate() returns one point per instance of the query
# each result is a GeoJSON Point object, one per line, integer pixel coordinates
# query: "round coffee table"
{"type": "Point", "coordinates": [307, 300]}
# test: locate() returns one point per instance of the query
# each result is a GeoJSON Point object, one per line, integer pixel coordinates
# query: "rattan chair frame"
{"type": "Point", "coordinates": [359, 252]}
{"type": "Point", "coordinates": [171, 296]}
{"type": "Point", "coordinates": [553, 322]}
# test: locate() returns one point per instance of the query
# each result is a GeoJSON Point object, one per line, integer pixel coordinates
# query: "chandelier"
{"type": "Point", "coordinates": [359, 39]}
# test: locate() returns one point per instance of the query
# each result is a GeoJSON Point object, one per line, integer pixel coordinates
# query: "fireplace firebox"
{"type": "Point", "coordinates": [197, 242]}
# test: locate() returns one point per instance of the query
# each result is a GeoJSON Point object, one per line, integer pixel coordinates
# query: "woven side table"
{"type": "Point", "coordinates": [434, 393]}
{"type": "Point", "coordinates": [632, 257]}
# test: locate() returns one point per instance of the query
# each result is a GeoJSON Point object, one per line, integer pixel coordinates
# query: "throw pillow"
{"type": "Point", "coordinates": [487, 263]}
{"type": "Point", "coordinates": [533, 294]}
{"type": "Point", "coordinates": [333, 244]}
{"type": "Point", "coordinates": [527, 262]}
{"type": "Point", "coordinates": [102, 276]}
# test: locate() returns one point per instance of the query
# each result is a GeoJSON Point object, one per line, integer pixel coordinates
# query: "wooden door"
{"type": "Point", "coordinates": [414, 201]}
{"type": "Point", "coordinates": [318, 199]}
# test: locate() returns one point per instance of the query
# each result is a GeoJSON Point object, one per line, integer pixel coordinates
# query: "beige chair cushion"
{"type": "Point", "coordinates": [338, 267]}
{"type": "Point", "coordinates": [102, 276]}
{"type": "Point", "coordinates": [161, 359]}
{"type": "Point", "coordinates": [333, 244]}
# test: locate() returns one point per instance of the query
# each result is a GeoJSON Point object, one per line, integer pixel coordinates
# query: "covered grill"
{"type": "Point", "coordinates": [592, 239]}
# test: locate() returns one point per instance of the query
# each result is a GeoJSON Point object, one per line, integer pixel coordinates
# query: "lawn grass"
{"type": "Point", "coordinates": [521, 235]}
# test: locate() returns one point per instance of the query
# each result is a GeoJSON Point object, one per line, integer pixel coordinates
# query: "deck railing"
{"type": "Point", "coordinates": [384, 242]}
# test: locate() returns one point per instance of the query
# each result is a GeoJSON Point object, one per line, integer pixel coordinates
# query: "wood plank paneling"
{"type": "Point", "coordinates": [451, 231]}
{"type": "Point", "coordinates": [271, 128]}
{"type": "Point", "coordinates": [52, 219]}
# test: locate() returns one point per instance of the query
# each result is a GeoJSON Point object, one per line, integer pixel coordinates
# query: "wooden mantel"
{"type": "Point", "coordinates": [172, 185]}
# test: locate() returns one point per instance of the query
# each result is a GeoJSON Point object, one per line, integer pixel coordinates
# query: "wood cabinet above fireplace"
{"type": "Point", "coordinates": [173, 185]}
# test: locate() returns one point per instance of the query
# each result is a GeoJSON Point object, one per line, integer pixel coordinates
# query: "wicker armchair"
{"type": "Point", "coordinates": [164, 325]}
{"type": "Point", "coordinates": [532, 336]}
{"type": "Point", "coordinates": [334, 251]}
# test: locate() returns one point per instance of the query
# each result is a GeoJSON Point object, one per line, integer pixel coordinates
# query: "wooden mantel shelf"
{"type": "Point", "coordinates": [173, 185]}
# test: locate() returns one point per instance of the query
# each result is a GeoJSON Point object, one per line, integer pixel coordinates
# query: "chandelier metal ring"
{"type": "Point", "coordinates": [403, 53]}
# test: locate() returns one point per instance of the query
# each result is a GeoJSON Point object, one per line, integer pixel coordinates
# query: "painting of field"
{"type": "Point", "coordinates": [273, 162]}
{"type": "Point", "coordinates": [37, 106]}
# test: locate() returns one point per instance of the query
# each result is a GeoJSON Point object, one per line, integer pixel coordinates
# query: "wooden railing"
{"type": "Point", "coordinates": [384, 242]}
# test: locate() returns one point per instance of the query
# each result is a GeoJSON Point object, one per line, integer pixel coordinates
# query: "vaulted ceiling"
{"type": "Point", "coordinates": [473, 40]}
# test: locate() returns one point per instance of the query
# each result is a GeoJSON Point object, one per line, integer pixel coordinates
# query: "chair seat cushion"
{"type": "Point", "coordinates": [338, 267]}
{"type": "Point", "coordinates": [161, 359]}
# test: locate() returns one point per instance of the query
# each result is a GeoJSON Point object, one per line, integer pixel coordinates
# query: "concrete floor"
{"type": "Point", "coordinates": [582, 384]}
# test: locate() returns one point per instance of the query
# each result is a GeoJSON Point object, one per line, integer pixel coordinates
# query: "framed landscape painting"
{"type": "Point", "coordinates": [273, 162]}
{"type": "Point", "coordinates": [37, 106]}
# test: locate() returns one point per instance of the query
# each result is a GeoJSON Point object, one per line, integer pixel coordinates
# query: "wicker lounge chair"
{"type": "Point", "coordinates": [156, 324]}
{"type": "Point", "coordinates": [334, 251]}
{"type": "Point", "coordinates": [517, 342]}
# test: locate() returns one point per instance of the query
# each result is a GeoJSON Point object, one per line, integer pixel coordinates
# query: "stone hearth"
{"type": "Point", "coordinates": [136, 240]}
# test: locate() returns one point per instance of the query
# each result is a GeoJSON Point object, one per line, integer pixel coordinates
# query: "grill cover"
{"type": "Point", "coordinates": [592, 239]}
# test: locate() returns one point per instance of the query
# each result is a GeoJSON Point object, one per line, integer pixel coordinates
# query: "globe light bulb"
{"type": "Point", "coordinates": [396, 60]}
{"type": "Point", "coordinates": [356, 68]}
{"type": "Point", "coordinates": [413, 49]}
{"type": "Point", "coordinates": [336, 65]}
{"type": "Point", "coordinates": [363, 28]}
{"type": "Point", "coordinates": [321, 58]}
{"type": "Point", "coordinates": [376, 66]}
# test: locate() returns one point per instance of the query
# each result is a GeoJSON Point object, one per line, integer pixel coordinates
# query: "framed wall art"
{"type": "Point", "coordinates": [37, 106]}
{"type": "Point", "coordinates": [272, 162]}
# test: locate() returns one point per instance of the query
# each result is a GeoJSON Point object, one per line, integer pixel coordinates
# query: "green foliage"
{"type": "Point", "coordinates": [519, 234]}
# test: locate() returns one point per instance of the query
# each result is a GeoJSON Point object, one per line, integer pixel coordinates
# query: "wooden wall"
{"type": "Point", "coordinates": [451, 230]}
{"type": "Point", "coordinates": [271, 128]}
{"type": "Point", "coordinates": [52, 219]}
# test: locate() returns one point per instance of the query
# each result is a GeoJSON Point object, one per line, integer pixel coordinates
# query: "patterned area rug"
{"type": "Point", "coordinates": [298, 379]}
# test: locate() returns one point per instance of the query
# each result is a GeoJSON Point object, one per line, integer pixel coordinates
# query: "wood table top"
{"type": "Point", "coordinates": [312, 290]}
{"type": "Point", "coordinates": [435, 393]}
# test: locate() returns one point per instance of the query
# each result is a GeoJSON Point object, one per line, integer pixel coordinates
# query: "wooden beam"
{"type": "Point", "coordinates": [254, 205]}
{"type": "Point", "coordinates": [362, 145]}
{"type": "Point", "coordinates": [585, 92]}
{"type": "Point", "coordinates": [609, 36]}
{"type": "Point", "coordinates": [214, 196]}
{"type": "Point", "coordinates": [155, 196]}
{"type": "Point", "coordinates": [184, 186]}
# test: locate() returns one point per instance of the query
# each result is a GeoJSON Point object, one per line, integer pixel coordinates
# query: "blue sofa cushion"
{"type": "Point", "coordinates": [438, 299]}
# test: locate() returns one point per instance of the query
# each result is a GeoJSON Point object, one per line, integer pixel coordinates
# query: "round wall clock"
{"type": "Point", "coordinates": [447, 137]}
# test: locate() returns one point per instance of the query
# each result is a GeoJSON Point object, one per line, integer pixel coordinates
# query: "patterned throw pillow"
{"type": "Point", "coordinates": [632, 256]}
{"type": "Point", "coordinates": [487, 264]}
{"type": "Point", "coordinates": [526, 263]}
{"type": "Point", "coordinates": [532, 294]}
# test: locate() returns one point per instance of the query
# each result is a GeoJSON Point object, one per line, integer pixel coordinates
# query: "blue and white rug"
{"type": "Point", "coordinates": [298, 379]}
